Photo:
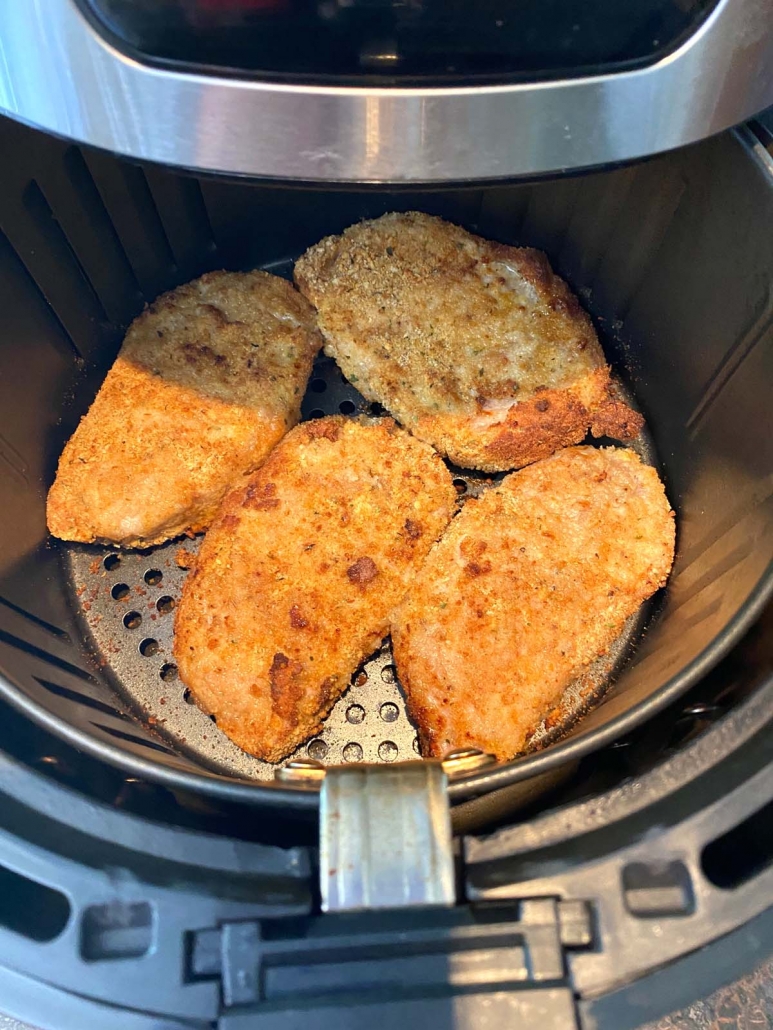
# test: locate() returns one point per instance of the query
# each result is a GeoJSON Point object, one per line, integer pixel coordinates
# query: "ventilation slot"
{"type": "Point", "coordinates": [44, 248]}
{"type": "Point", "coordinates": [80, 699]}
{"type": "Point", "coordinates": [74, 199]}
{"type": "Point", "coordinates": [130, 206]}
{"type": "Point", "coordinates": [741, 853]}
{"type": "Point", "coordinates": [131, 738]}
{"type": "Point", "coordinates": [30, 909]}
{"type": "Point", "coordinates": [38, 207]}
{"type": "Point", "coordinates": [180, 207]}
{"type": "Point", "coordinates": [45, 656]}
{"type": "Point", "coordinates": [17, 279]}
{"type": "Point", "coordinates": [40, 623]}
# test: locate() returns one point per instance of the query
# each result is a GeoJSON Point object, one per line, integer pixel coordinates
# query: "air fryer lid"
{"type": "Point", "coordinates": [651, 251]}
{"type": "Point", "coordinates": [383, 92]}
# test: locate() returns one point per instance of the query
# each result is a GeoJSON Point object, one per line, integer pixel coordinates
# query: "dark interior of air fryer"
{"type": "Point", "coordinates": [671, 257]}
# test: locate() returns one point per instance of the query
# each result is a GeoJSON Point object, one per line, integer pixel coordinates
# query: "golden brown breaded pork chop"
{"type": "Point", "coordinates": [297, 579]}
{"type": "Point", "coordinates": [529, 585]}
{"type": "Point", "coordinates": [209, 378]}
{"type": "Point", "coordinates": [474, 346]}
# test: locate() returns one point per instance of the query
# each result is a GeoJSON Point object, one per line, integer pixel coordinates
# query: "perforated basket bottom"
{"type": "Point", "coordinates": [126, 601]}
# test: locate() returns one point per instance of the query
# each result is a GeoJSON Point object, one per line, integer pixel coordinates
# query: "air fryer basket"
{"type": "Point", "coordinates": [673, 259]}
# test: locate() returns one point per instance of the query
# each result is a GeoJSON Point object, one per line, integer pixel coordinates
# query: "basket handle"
{"type": "Point", "coordinates": [385, 831]}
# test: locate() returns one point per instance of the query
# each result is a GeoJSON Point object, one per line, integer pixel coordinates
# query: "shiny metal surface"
{"type": "Point", "coordinates": [463, 761]}
{"type": "Point", "coordinates": [56, 73]}
{"type": "Point", "coordinates": [385, 837]}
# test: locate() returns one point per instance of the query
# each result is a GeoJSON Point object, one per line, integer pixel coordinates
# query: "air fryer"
{"type": "Point", "coordinates": [670, 255]}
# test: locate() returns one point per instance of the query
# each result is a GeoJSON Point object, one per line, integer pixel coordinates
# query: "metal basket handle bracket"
{"type": "Point", "coordinates": [385, 837]}
{"type": "Point", "coordinates": [385, 831]}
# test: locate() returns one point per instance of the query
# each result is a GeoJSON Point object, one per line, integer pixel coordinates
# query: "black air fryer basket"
{"type": "Point", "coordinates": [673, 259]}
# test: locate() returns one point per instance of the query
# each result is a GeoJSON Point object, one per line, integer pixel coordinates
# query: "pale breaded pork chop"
{"type": "Point", "coordinates": [476, 347]}
{"type": "Point", "coordinates": [529, 584]}
{"type": "Point", "coordinates": [209, 378]}
{"type": "Point", "coordinates": [297, 579]}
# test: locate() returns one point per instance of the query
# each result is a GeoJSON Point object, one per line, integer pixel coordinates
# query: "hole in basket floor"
{"type": "Point", "coordinates": [132, 620]}
{"type": "Point", "coordinates": [149, 647]}
{"type": "Point", "coordinates": [168, 672]}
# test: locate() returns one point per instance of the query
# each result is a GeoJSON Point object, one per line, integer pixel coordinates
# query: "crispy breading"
{"type": "Point", "coordinates": [476, 347]}
{"type": "Point", "coordinates": [208, 380]}
{"type": "Point", "coordinates": [297, 579]}
{"type": "Point", "coordinates": [529, 584]}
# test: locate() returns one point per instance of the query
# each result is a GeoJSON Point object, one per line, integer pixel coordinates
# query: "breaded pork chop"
{"type": "Point", "coordinates": [529, 584]}
{"type": "Point", "coordinates": [208, 379]}
{"type": "Point", "coordinates": [297, 579]}
{"type": "Point", "coordinates": [476, 347]}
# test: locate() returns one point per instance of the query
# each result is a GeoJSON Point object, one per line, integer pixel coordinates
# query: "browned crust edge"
{"type": "Point", "coordinates": [535, 427]}
{"type": "Point", "coordinates": [615, 419]}
{"type": "Point", "coordinates": [553, 419]}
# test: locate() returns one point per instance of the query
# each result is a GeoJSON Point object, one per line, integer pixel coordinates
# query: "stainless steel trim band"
{"type": "Point", "coordinates": [58, 74]}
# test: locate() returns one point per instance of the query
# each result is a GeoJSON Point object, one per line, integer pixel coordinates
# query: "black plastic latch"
{"type": "Point", "coordinates": [399, 969]}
